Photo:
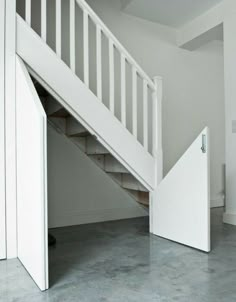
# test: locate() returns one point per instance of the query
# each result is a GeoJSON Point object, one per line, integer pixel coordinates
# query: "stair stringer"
{"type": "Point", "coordinates": [83, 105]}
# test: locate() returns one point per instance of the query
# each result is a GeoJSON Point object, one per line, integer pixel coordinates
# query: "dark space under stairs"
{"type": "Point", "coordinates": [62, 121]}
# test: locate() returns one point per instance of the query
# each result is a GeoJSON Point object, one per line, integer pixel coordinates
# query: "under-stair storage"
{"type": "Point", "coordinates": [82, 82]}
{"type": "Point", "coordinates": [94, 94]}
{"type": "Point", "coordinates": [61, 120]}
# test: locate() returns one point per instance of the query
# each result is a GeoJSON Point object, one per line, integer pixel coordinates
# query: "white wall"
{"type": "Point", "coordinates": [78, 191]}
{"type": "Point", "coordinates": [230, 115]}
{"type": "Point", "coordinates": [193, 85]}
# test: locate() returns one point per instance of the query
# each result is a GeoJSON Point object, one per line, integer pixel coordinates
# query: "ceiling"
{"type": "Point", "coordinates": [174, 13]}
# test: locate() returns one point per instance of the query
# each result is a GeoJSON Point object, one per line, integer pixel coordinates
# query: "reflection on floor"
{"type": "Point", "coordinates": [120, 262]}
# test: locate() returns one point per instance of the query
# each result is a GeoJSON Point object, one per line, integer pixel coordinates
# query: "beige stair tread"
{"type": "Point", "coordinates": [130, 182]}
{"type": "Point", "coordinates": [140, 197]}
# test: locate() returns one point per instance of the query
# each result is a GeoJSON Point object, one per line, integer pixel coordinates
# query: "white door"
{"type": "Point", "coordinates": [181, 203]}
{"type": "Point", "coordinates": [2, 133]}
{"type": "Point", "coordinates": [32, 226]}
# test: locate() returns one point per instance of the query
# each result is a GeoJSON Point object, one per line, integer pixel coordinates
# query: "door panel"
{"type": "Point", "coordinates": [181, 203]}
{"type": "Point", "coordinates": [2, 133]}
{"type": "Point", "coordinates": [31, 179]}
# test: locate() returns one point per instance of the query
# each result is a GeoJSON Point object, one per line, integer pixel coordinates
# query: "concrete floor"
{"type": "Point", "coordinates": [120, 261]}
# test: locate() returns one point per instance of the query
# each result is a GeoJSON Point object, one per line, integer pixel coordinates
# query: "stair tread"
{"type": "Point", "coordinates": [140, 197]}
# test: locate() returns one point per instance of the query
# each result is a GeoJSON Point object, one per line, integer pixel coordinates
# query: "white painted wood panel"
{"type": "Point", "coordinates": [123, 89]}
{"type": "Point", "coordinates": [99, 61]}
{"type": "Point", "coordinates": [86, 46]}
{"type": "Point", "coordinates": [181, 203]}
{"type": "Point", "coordinates": [145, 115]}
{"type": "Point", "coordinates": [10, 128]}
{"type": "Point", "coordinates": [72, 35]}
{"type": "Point", "coordinates": [44, 20]}
{"type": "Point", "coordinates": [91, 114]}
{"type": "Point", "coordinates": [134, 103]}
{"type": "Point", "coordinates": [28, 11]}
{"type": "Point", "coordinates": [157, 149]}
{"type": "Point", "coordinates": [32, 225]}
{"type": "Point", "coordinates": [111, 77]}
{"type": "Point", "coordinates": [2, 133]}
{"type": "Point", "coordinates": [58, 27]}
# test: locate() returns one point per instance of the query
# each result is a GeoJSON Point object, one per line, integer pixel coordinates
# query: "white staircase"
{"type": "Point", "coordinates": [112, 111]}
{"type": "Point", "coordinates": [67, 125]}
{"type": "Point", "coordinates": [131, 155]}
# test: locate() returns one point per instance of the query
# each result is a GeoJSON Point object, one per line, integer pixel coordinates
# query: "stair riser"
{"type": "Point", "coordinates": [117, 177]}
{"type": "Point", "coordinates": [52, 106]}
{"type": "Point", "coordinates": [74, 128]}
{"type": "Point", "coordinates": [113, 166]}
{"type": "Point", "coordinates": [58, 123]}
{"type": "Point", "coordinates": [80, 142]}
{"type": "Point", "coordinates": [94, 147]}
{"type": "Point", "coordinates": [129, 182]}
{"type": "Point", "coordinates": [99, 160]}
{"type": "Point", "coordinates": [140, 197]}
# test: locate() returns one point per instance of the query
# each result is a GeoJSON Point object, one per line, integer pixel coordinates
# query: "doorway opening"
{"type": "Point", "coordinates": [76, 244]}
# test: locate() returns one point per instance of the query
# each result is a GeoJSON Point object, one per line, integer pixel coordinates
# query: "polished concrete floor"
{"type": "Point", "coordinates": [120, 261]}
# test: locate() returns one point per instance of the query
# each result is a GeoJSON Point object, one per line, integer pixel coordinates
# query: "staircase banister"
{"type": "Point", "coordinates": [84, 6]}
{"type": "Point", "coordinates": [157, 126]}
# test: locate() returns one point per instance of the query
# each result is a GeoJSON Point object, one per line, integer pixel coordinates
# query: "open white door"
{"type": "Point", "coordinates": [181, 203]}
{"type": "Point", "coordinates": [32, 226]}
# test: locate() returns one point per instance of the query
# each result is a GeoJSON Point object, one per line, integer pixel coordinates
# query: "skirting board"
{"type": "Point", "coordinates": [217, 202]}
{"type": "Point", "coordinates": [229, 218]}
{"type": "Point", "coordinates": [92, 216]}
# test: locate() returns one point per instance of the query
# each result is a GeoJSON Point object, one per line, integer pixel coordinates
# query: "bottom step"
{"type": "Point", "coordinates": [140, 197]}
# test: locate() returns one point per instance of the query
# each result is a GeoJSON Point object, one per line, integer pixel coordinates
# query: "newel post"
{"type": "Point", "coordinates": [157, 128]}
{"type": "Point", "coordinates": [157, 143]}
